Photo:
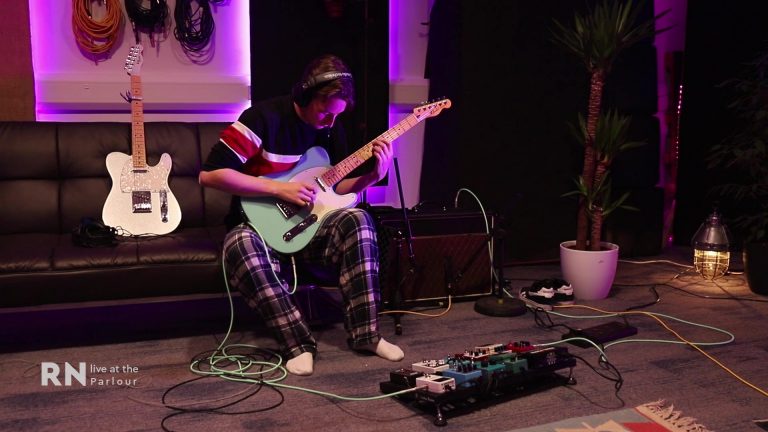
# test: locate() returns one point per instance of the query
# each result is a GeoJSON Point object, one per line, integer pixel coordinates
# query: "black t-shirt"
{"type": "Point", "coordinates": [269, 137]}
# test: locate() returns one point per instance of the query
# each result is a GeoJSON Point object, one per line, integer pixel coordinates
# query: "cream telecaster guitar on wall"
{"type": "Point", "coordinates": [140, 201]}
{"type": "Point", "coordinates": [286, 227]}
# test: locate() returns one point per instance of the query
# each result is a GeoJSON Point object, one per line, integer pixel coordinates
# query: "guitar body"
{"type": "Point", "coordinates": [271, 222]}
{"type": "Point", "coordinates": [140, 201]}
{"type": "Point", "coordinates": [287, 228]}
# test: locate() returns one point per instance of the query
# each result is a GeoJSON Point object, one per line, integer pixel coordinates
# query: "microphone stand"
{"type": "Point", "coordinates": [499, 305]}
{"type": "Point", "coordinates": [406, 221]}
{"type": "Point", "coordinates": [396, 294]}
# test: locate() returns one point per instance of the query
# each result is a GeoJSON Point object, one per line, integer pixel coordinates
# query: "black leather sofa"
{"type": "Point", "coordinates": [54, 174]}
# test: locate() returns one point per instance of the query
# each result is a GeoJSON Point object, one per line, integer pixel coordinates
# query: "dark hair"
{"type": "Point", "coordinates": [342, 87]}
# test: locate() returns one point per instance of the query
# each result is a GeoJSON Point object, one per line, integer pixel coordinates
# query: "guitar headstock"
{"type": "Point", "coordinates": [134, 60]}
{"type": "Point", "coordinates": [431, 109]}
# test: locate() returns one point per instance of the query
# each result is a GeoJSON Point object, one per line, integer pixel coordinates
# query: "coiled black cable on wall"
{"type": "Point", "coordinates": [194, 26]}
{"type": "Point", "coordinates": [97, 36]}
{"type": "Point", "coordinates": [150, 19]}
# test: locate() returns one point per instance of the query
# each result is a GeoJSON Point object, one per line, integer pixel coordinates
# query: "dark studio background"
{"type": "Point", "coordinates": [506, 137]}
{"type": "Point", "coordinates": [720, 40]}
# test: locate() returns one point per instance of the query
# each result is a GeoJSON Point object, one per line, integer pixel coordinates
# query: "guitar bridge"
{"type": "Point", "coordinates": [141, 201]}
{"type": "Point", "coordinates": [298, 229]}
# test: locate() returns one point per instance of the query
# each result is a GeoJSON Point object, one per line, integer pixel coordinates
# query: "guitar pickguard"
{"type": "Point", "coordinates": [149, 178]}
{"type": "Point", "coordinates": [140, 201]}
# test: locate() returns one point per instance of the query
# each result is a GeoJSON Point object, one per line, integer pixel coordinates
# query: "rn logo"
{"type": "Point", "coordinates": [50, 371]}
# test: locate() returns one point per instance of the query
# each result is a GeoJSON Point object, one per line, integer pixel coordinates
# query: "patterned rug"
{"type": "Point", "coordinates": [656, 416]}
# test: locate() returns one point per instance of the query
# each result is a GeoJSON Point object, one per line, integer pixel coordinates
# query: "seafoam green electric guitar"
{"type": "Point", "coordinates": [288, 228]}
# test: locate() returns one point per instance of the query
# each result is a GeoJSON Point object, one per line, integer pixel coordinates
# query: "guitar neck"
{"type": "Point", "coordinates": [138, 150]}
{"type": "Point", "coordinates": [336, 173]}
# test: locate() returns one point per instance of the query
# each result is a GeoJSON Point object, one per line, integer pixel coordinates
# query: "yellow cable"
{"type": "Point", "coordinates": [677, 335]}
{"type": "Point", "coordinates": [420, 313]}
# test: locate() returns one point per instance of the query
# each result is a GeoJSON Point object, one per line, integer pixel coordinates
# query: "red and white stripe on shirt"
{"type": "Point", "coordinates": [248, 148]}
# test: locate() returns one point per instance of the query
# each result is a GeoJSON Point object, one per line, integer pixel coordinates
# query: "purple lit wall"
{"type": "Point", "coordinates": [667, 44]}
{"type": "Point", "coordinates": [407, 89]}
{"type": "Point", "coordinates": [673, 40]}
{"type": "Point", "coordinates": [71, 87]}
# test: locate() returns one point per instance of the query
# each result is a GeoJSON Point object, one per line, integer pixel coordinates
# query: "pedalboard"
{"type": "Point", "coordinates": [487, 373]}
{"type": "Point", "coordinates": [601, 334]}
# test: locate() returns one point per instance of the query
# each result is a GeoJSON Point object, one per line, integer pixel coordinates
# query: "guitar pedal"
{"type": "Point", "coordinates": [430, 366]}
{"type": "Point", "coordinates": [436, 383]}
{"type": "Point", "coordinates": [405, 377]}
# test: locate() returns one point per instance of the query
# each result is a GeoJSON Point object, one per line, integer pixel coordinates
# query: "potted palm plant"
{"type": "Point", "coordinates": [591, 272]}
{"type": "Point", "coordinates": [744, 157]}
{"type": "Point", "coordinates": [597, 37]}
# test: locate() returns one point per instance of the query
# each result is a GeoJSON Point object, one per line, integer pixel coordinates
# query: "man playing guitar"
{"type": "Point", "coordinates": [270, 137]}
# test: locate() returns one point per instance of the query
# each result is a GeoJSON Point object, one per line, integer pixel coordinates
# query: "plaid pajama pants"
{"type": "Point", "coordinates": [346, 243]}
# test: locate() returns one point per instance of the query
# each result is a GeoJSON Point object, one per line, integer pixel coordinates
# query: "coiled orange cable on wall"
{"type": "Point", "coordinates": [96, 37]}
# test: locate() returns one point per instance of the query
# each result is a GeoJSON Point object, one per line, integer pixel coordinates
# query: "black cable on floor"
{"type": "Point", "coordinates": [645, 305]}
{"type": "Point", "coordinates": [255, 358]}
{"type": "Point", "coordinates": [543, 319]}
{"type": "Point", "coordinates": [612, 374]}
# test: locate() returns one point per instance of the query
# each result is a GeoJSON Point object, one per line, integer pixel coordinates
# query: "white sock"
{"type": "Point", "coordinates": [301, 365]}
{"type": "Point", "coordinates": [386, 350]}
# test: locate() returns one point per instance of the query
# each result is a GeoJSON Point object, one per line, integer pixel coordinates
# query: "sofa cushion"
{"type": "Point", "coordinates": [54, 174]}
{"type": "Point", "coordinates": [29, 151]}
{"type": "Point", "coordinates": [24, 253]}
{"type": "Point", "coordinates": [179, 140]}
{"type": "Point", "coordinates": [29, 206]}
{"type": "Point", "coordinates": [69, 256]}
{"type": "Point", "coordinates": [189, 194]}
{"type": "Point", "coordinates": [83, 147]}
{"type": "Point", "coordinates": [189, 245]}
{"type": "Point", "coordinates": [81, 197]}
{"type": "Point", "coordinates": [119, 283]}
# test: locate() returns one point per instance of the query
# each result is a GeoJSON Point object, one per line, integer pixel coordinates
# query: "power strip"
{"type": "Point", "coordinates": [601, 334]}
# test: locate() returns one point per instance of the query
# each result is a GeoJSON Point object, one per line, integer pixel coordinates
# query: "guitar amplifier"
{"type": "Point", "coordinates": [451, 255]}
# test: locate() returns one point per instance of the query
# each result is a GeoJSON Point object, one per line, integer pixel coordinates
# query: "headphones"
{"type": "Point", "coordinates": [303, 91]}
{"type": "Point", "coordinates": [92, 233]}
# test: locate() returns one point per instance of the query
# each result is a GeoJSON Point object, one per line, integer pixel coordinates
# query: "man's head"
{"type": "Point", "coordinates": [325, 91]}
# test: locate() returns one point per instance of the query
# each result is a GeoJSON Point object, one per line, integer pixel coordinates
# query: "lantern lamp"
{"type": "Point", "coordinates": [711, 253]}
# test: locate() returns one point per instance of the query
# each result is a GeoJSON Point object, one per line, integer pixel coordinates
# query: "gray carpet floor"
{"type": "Point", "coordinates": [651, 370]}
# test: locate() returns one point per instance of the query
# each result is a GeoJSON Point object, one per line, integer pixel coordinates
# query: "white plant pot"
{"type": "Point", "coordinates": [590, 273]}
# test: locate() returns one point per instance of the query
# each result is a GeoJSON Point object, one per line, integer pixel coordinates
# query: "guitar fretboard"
{"type": "Point", "coordinates": [138, 152]}
{"type": "Point", "coordinates": [336, 173]}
